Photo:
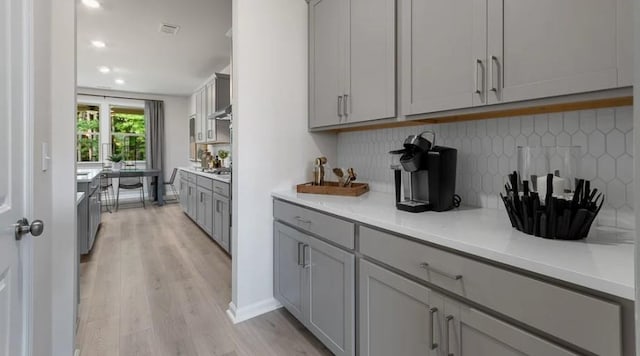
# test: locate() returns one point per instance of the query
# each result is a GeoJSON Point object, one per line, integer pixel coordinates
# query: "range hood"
{"type": "Point", "coordinates": [224, 114]}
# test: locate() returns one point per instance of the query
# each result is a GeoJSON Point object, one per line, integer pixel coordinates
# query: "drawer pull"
{"type": "Point", "coordinates": [449, 319]}
{"type": "Point", "coordinates": [300, 253]}
{"type": "Point", "coordinates": [448, 275]}
{"type": "Point", "coordinates": [432, 312]}
{"type": "Point", "coordinates": [300, 219]}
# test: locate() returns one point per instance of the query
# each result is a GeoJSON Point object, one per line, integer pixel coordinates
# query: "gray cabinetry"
{"type": "Point", "coordinates": [315, 282]}
{"type": "Point", "coordinates": [401, 317]}
{"type": "Point", "coordinates": [222, 221]}
{"type": "Point", "coordinates": [397, 316]}
{"type": "Point", "coordinates": [352, 63]}
{"type": "Point", "coordinates": [443, 50]}
{"type": "Point", "coordinates": [89, 214]}
{"type": "Point", "coordinates": [207, 202]}
{"type": "Point", "coordinates": [204, 209]}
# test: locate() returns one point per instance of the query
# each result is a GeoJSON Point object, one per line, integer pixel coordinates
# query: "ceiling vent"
{"type": "Point", "coordinates": [169, 29]}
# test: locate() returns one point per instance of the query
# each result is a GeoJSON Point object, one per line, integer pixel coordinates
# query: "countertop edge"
{"type": "Point", "coordinates": [572, 277]}
{"type": "Point", "coordinates": [206, 175]}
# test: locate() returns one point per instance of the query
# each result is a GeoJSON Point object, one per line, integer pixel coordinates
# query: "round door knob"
{"type": "Point", "coordinates": [22, 227]}
{"type": "Point", "coordinates": [37, 228]}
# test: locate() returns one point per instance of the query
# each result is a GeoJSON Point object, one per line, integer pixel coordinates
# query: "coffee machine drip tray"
{"type": "Point", "coordinates": [413, 206]}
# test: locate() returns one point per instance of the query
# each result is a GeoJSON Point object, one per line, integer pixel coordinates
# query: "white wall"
{"type": "Point", "coordinates": [271, 146]}
{"type": "Point", "coordinates": [176, 124]}
{"type": "Point", "coordinates": [60, 200]}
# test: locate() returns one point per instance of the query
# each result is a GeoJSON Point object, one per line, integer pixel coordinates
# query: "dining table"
{"type": "Point", "coordinates": [155, 174]}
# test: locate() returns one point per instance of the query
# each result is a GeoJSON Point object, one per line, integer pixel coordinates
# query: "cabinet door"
{"type": "Point", "coordinates": [289, 276]}
{"type": "Point", "coordinates": [200, 137]}
{"type": "Point", "coordinates": [192, 105]}
{"type": "Point", "coordinates": [222, 206]}
{"type": "Point", "coordinates": [470, 332]}
{"type": "Point", "coordinates": [209, 123]}
{"type": "Point", "coordinates": [207, 205]}
{"type": "Point", "coordinates": [200, 210]}
{"type": "Point", "coordinates": [193, 201]}
{"type": "Point", "coordinates": [184, 195]}
{"type": "Point", "coordinates": [443, 54]}
{"type": "Point", "coordinates": [327, 42]}
{"type": "Point", "coordinates": [397, 316]}
{"type": "Point", "coordinates": [329, 295]}
{"type": "Point", "coordinates": [550, 47]}
{"type": "Point", "coordinates": [371, 58]}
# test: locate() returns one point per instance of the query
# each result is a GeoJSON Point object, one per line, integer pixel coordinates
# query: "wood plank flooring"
{"type": "Point", "coordinates": [156, 285]}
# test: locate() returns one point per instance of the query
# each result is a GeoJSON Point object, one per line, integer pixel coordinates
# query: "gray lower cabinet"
{"type": "Point", "coordinates": [208, 202]}
{"type": "Point", "coordinates": [315, 282]}
{"type": "Point", "coordinates": [222, 221]}
{"type": "Point", "coordinates": [401, 317]}
{"type": "Point", "coordinates": [397, 316]}
{"type": "Point", "coordinates": [89, 213]}
{"type": "Point", "coordinates": [204, 209]}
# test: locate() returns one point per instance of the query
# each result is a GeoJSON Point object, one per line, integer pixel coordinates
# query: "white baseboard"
{"type": "Point", "coordinates": [238, 315]}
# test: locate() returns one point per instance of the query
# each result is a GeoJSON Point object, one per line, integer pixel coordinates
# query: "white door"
{"type": "Point", "coordinates": [12, 177]}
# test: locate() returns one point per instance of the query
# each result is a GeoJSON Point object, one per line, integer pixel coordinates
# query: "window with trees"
{"type": "Point", "coordinates": [88, 132]}
{"type": "Point", "coordinates": [128, 133]}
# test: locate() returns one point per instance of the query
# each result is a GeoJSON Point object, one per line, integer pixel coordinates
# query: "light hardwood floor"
{"type": "Point", "coordinates": [156, 285]}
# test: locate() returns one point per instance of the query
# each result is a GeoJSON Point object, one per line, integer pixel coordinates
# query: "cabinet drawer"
{"type": "Point", "coordinates": [585, 321]}
{"type": "Point", "coordinates": [204, 182]}
{"type": "Point", "coordinates": [189, 177]}
{"type": "Point", "coordinates": [330, 228]}
{"type": "Point", "coordinates": [221, 188]}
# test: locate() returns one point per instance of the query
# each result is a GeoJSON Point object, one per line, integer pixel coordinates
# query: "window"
{"type": "Point", "coordinates": [128, 133]}
{"type": "Point", "coordinates": [88, 131]}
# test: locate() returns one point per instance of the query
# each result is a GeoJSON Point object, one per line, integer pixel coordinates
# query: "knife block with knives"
{"type": "Point", "coordinates": [550, 216]}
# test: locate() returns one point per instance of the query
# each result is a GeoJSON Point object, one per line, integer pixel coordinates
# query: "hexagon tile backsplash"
{"type": "Point", "coordinates": [487, 152]}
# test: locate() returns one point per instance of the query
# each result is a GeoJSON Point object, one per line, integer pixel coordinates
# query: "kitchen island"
{"type": "Point", "coordinates": [464, 270]}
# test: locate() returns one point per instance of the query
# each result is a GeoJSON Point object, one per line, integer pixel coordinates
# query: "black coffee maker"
{"type": "Point", "coordinates": [425, 177]}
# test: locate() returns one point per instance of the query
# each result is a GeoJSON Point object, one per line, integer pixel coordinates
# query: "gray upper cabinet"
{"type": "Point", "coordinates": [442, 51]}
{"type": "Point", "coordinates": [327, 72]}
{"type": "Point", "coordinates": [352, 61]}
{"type": "Point", "coordinates": [550, 47]}
{"type": "Point", "coordinates": [397, 316]}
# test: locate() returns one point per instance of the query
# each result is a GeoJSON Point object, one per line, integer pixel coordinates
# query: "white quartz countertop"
{"type": "Point", "coordinates": [225, 178]}
{"type": "Point", "coordinates": [79, 197]}
{"type": "Point", "coordinates": [604, 261]}
{"type": "Point", "coordinates": [87, 175]}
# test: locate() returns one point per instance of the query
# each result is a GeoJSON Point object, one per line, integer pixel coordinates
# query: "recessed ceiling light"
{"type": "Point", "coordinates": [98, 44]}
{"type": "Point", "coordinates": [169, 29]}
{"type": "Point", "coordinates": [104, 70]}
{"type": "Point", "coordinates": [119, 81]}
{"type": "Point", "coordinates": [94, 4]}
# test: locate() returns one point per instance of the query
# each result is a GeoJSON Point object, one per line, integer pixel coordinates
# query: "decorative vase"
{"type": "Point", "coordinates": [116, 166]}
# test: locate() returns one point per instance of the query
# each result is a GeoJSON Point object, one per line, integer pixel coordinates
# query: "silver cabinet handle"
{"type": "Point", "coordinates": [449, 319]}
{"type": "Point", "coordinates": [426, 266]}
{"type": "Point", "coordinates": [479, 72]}
{"type": "Point", "coordinates": [304, 256]}
{"type": "Point", "coordinates": [495, 72]}
{"type": "Point", "coordinates": [346, 103]}
{"type": "Point", "coordinates": [432, 313]}
{"type": "Point", "coordinates": [210, 134]}
{"type": "Point", "coordinates": [340, 106]}
{"type": "Point", "coordinates": [300, 253]}
{"type": "Point", "coordinates": [300, 219]}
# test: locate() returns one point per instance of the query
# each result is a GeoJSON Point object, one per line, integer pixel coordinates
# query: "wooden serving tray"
{"type": "Point", "coordinates": [332, 188]}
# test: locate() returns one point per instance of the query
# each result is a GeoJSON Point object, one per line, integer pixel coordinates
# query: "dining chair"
{"type": "Point", "coordinates": [106, 190]}
{"type": "Point", "coordinates": [130, 183]}
{"type": "Point", "coordinates": [171, 185]}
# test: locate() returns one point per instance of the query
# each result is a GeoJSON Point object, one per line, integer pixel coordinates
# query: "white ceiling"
{"type": "Point", "coordinates": [150, 61]}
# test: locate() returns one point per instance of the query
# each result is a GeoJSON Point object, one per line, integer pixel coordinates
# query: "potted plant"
{"type": "Point", "coordinates": [223, 155]}
{"type": "Point", "coordinates": [116, 159]}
